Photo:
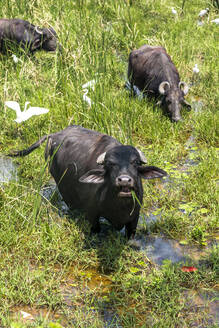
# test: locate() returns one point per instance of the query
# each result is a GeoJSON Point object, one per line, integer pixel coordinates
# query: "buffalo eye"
{"type": "Point", "coordinates": [111, 164]}
{"type": "Point", "coordinates": [136, 162]}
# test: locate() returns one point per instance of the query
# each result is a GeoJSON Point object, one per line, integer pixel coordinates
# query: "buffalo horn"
{"type": "Point", "coordinates": [184, 87]}
{"type": "Point", "coordinates": [142, 156]}
{"type": "Point", "coordinates": [100, 158]}
{"type": "Point", "coordinates": [162, 87]}
{"type": "Point", "coordinates": [37, 30]}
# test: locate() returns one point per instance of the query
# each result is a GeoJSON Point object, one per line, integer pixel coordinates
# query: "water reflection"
{"type": "Point", "coordinates": [159, 248]}
{"type": "Point", "coordinates": [8, 170]}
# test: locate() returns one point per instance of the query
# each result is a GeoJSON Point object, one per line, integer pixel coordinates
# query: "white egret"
{"type": "Point", "coordinates": [89, 84]}
{"type": "Point", "coordinates": [203, 12]}
{"type": "Point", "coordinates": [27, 113]}
{"type": "Point", "coordinates": [195, 69]}
{"type": "Point", "coordinates": [174, 11]}
{"type": "Point", "coordinates": [85, 87]}
{"type": "Point", "coordinates": [15, 59]}
{"type": "Point", "coordinates": [86, 98]}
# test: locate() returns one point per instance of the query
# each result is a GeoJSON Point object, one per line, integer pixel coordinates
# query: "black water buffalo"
{"type": "Point", "coordinates": [96, 173]}
{"type": "Point", "coordinates": [26, 35]}
{"type": "Point", "coordinates": [151, 69]}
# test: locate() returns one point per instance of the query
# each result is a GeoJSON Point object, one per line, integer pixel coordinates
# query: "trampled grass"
{"type": "Point", "coordinates": [49, 262]}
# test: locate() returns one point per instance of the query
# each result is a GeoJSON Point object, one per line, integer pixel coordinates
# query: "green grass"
{"type": "Point", "coordinates": [44, 255]}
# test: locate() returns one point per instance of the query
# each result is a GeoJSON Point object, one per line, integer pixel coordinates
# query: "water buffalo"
{"type": "Point", "coordinates": [26, 35]}
{"type": "Point", "coordinates": [151, 69]}
{"type": "Point", "coordinates": [96, 173]}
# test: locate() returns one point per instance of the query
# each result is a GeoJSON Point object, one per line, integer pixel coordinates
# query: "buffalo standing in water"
{"type": "Point", "coordinates": [151, 69]}
{"type": "Point", "coordinates": [96, 173]}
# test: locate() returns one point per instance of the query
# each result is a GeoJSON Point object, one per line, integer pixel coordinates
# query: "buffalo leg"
{"type": "Point", "coordinates": [95, 224]}
{"type": "Point", "coordinates": [130, 228]}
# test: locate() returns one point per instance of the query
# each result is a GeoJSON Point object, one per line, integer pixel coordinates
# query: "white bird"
{"type": "Point", "coordinates": [27, 113]}
{"type": "Point", "coordinates": [85, 87]}
{"type": "Point", "coordinates": [15, 59]}
{"type": "Point", "coordinates": [195, 69]}
{"type": "Point", "coordinates": [216, 21]}
{"type": "Point", "coordinates": [203, 12]}
{"type": "Point", "coordinates": [86, 98]}
{"type": "Point", "coordinates": [174, 11]}
{"type": "Point", "coordinates": [89, 84]}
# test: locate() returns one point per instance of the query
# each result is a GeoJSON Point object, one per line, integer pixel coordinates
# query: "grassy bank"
{"type": "Point", "coordinates": [50, 265]}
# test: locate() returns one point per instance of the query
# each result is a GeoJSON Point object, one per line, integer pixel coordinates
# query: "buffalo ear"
{"type": "Point", "coordinates": [93, 176]}
{"type": "Point", "coordinates": [37, 43]}
{"type": "Point", "coordinates": [187, 105]}
{"type": "Point", "coordinates": [151, 172]}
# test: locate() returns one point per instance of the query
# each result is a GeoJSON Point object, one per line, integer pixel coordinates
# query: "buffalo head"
{"type": "Point", "coordinates": [122, 170]}
{"type": "Point", "coordinates": [47, 39]}
{"type": "Point", "coordinates": [174, 98]}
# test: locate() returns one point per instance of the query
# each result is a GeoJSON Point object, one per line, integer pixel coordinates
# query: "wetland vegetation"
{"type": "Point", "coordinates": [51, 267]}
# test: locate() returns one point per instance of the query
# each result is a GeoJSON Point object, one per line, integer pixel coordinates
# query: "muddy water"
{"type": "Point", "coordinates": [8, 170]}
{"type": "Point", "coordinates": [92, 280]}
{"type": "Point", "coordinates": [77, 284]}
{"type": "Point", "coordinates": [26, 313]}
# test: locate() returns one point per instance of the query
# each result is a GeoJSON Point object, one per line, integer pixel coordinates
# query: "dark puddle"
{"type": "Point", "coordinates": [8, 170]}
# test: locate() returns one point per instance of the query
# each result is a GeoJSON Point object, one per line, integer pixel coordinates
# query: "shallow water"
{"type": "Point", "coordinates": [197, 106]}
{"type": "Point", "coordinates": [159, 248]}
{"type": "Point", "coordinates": [8, 170]}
